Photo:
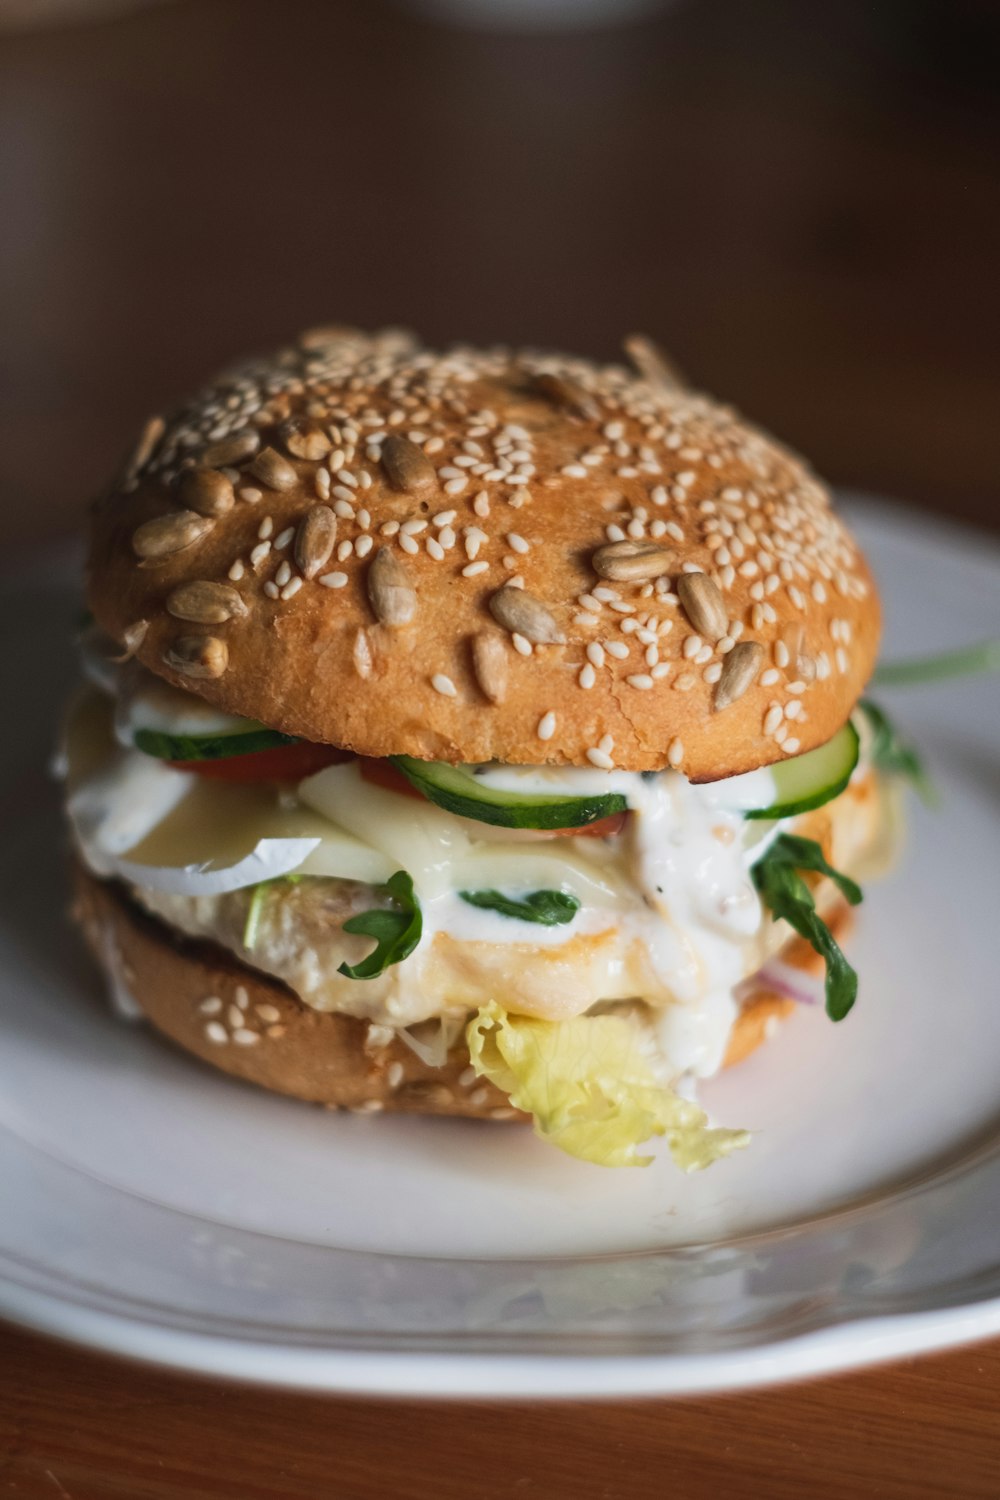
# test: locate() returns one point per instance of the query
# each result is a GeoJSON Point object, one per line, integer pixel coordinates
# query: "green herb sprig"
{"type": "Point", "coordinates": [547, 908]}
{"type": "Point", "coordinates": [396, 929]}
{"type": "Point", "coordinates": [777, 877]}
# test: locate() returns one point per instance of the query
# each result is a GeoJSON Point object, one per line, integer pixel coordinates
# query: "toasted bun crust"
{"type": "Point", "coordinates": [324, 1058]}
{"type": "Point", "coordinates": [214, 559]}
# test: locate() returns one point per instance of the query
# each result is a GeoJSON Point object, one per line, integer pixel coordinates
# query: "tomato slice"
{"type": "Point", "coordinates": [604, 828]}
{"type": "Point", "coordinates": [384, 774]}
{"type": "Point", "coordinates": [283, 763]}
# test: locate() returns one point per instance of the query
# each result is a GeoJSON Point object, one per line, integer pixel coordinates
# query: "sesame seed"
{"type": "Point", "coordinates": [250, 494]}
{"type": "Point", "coordinates": [769, 678]}
{"type": "Point", "coordinates": [600, 758]}
{"type": "Point", "coordinates": [517, 542]}
{"type": "Point", "coordinates": [389, 529]}
{"type": "Point", "coordinates": [773, 718]}
{"type": "Point", "coordinates": [210, 1006]}
{"type": "Point", "coordinates": [796, 687]}
{"type": "Point", "coordinates": [781, 656]}
{"type": "Point", "coordinates": [617, 649]}
{"type": "Point", "coordinates": [595, 653]}
{"type": "Point", "coordinates": [236, 571]}
{"type": "Point", "coordinates": [652, 655]}
{"type": "Point", "coordinates": [585, 619]}
{"type": "Point", "coordinates": [344, 550]}
{"type": "Point", "coordinates": [521, 644]}
{"type": "Point", "coordinates": [713, 672]}
{"type": "Point", "coordinates": [216, 1032]}
{"type": "Point", "coordinates": [546, 726]}
{"type": "Point", "coordinates": [413, 527]}
{"type": "Point", "coordinates": [291, 588]}
{"type": "Point", "coordinates": [456, 486]}
{"type": "Point", "coordinates": [590, 602]}
{"type": "Point", "coordinates": [283, 574]}
{"type": "Point", "coordinates": [791, 745]}
{"type": "Point", "coordinates": [244, 1037]}
{"type": "Point", "coordinates": [283, 538]}
{"type": "Point", "coordinates": [587, 676]}
{"type": "Point", "coordinates": [692, 646]}
{"type": "Point", "coordinates": [259, 553]}
{"type": "Point", "coordinates": [435, 549]}
{"type": "Point", "coordinates": [675, 753]}
{"type": "Point", "coordinates": [661, 670]}
{"type": "Point", "coordinates": [614, 533]}
{"type": "Point", "coordinates": [265, 528]}
{"type": "Point", "coordinates": [481, 504]}
{"type": "Point", "coordinates": [271, 589]}
{"type": "Point", "coordinates": [444, 518]}
{"type": "Point", "coordinates": [333, 580]}
{"type": "Point", "coordinates": [408, 544]}
{"type": "Point", "coordinates": [473, 569]}
{"type": "Point", "coordinates": [574, 471]}
{"type": "Point", "coordinates": [363, 546]}
{"type": "Point", "coordinates": [444, 685]}
{"type": "Point", "coordinates": [364, 519]}
{"type": "Point", "coordinates": [640, 680]}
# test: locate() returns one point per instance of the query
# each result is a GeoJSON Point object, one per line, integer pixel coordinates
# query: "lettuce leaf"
{"type": "Point", "coordinates": [591, 1088]}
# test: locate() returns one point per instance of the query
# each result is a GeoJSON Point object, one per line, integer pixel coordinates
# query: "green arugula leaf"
{"type": "Point", "coordinates": [786, 895]}
{"type": "Point", "coordinates": [396, 929]}
{"type": "Point", "coordinates": [893, 754]}
{"type": "Point", "coordinates": [548, 908]}
{"type": "Point", "coordinates": [255, 910]}
{"type": "Point", "coordinates": [967, 661]}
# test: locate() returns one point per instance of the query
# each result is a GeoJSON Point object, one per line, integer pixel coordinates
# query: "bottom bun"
{"type": "Point", "coordinates": [253, 1027]}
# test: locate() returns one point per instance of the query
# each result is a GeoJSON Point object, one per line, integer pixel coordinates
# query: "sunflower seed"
{"type": "Point", "coordinates": [738, 671]}
{"type": "Point", "coordinates": [232, 449]}
{"type": "Point", "coordinates": [314, 540]}
{"type": "Point", "coordinates": [273, 470]}
{"type": "Point", "coordinates": [206, 491]}
{"type": "Point", "coordinates": [205, 603]}
{"type": "Point", "coordinates": [652, 364]}
{"type": "Point", "coordinates": [390, 591]}
{"type": "Point", "coordinates": [165, 535]}
{"type": "Point", "coordinates": [703, 605]}
{"type": "Point", "coordinates": [198, 656]}
{"type": "Point", "coordinates": [132, 638]}
{"type": "Point", "coordinates": [489, 659]}
{"type": "Point", "coordinates": [144, 449]}
{"type": "Point", "coordinates": [569, 394]}
{"type": "Point", "coordinates": [407, 467]}
{"type": "Point", "coordinates": [304, 439]}
{"type": "Point", "coordinates": [522, 614]}
{"type": "Point", "coordinates": [632, 560]}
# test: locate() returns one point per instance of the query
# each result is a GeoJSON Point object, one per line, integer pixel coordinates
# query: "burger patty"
{"type": "Point", "coordinates": [300, 939]}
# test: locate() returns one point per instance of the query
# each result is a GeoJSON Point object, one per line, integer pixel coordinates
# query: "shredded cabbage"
{"type": "Point", "coordinates": [591, 1090]}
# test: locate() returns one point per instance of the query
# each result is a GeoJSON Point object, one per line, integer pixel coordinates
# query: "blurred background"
{"type": "Point", "coordinates": [800, 201]}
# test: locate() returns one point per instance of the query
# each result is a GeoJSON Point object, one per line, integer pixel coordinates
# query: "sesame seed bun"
{"type": "Point", "coordinates": [183, 986]}
{"type": "Point", "coordinates": [486, 556]}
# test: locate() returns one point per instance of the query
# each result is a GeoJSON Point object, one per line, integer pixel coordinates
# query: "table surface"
{"type": "Point", "coordinates": [803, 210]}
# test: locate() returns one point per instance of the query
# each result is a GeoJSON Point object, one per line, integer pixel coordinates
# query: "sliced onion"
{"type": "Point", "coordinates": [783, 979]}
{"type": "Point", "coordinates": [267, 861]}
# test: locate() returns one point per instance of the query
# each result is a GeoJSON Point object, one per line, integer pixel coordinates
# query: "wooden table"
{"type": "Point", "coordinates": [800, 201]}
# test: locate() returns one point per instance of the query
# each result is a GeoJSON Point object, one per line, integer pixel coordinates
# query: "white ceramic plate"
{"type": "Point", "coordinates": [153, 1207]}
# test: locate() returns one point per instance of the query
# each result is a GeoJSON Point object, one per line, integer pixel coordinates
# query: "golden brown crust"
{"type": "Point", "coordinates": [568, 457]}
{"type": "Point", "coordinates": [320, 1057]}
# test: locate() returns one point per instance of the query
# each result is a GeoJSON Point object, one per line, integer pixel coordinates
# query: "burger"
{"type": "Point", "coordinates": [473, 733]}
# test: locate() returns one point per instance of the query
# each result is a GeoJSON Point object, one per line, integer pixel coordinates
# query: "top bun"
{"type": "Point", "coordinates": [487, 555]}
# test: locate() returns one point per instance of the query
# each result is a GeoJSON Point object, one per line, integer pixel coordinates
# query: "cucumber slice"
{"type": "Point", "coordinates": [459, 791]}
{"type": "Point", "coordinates": [208, 746]}
{"type": "Point", "coordinates": [807, 781]}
